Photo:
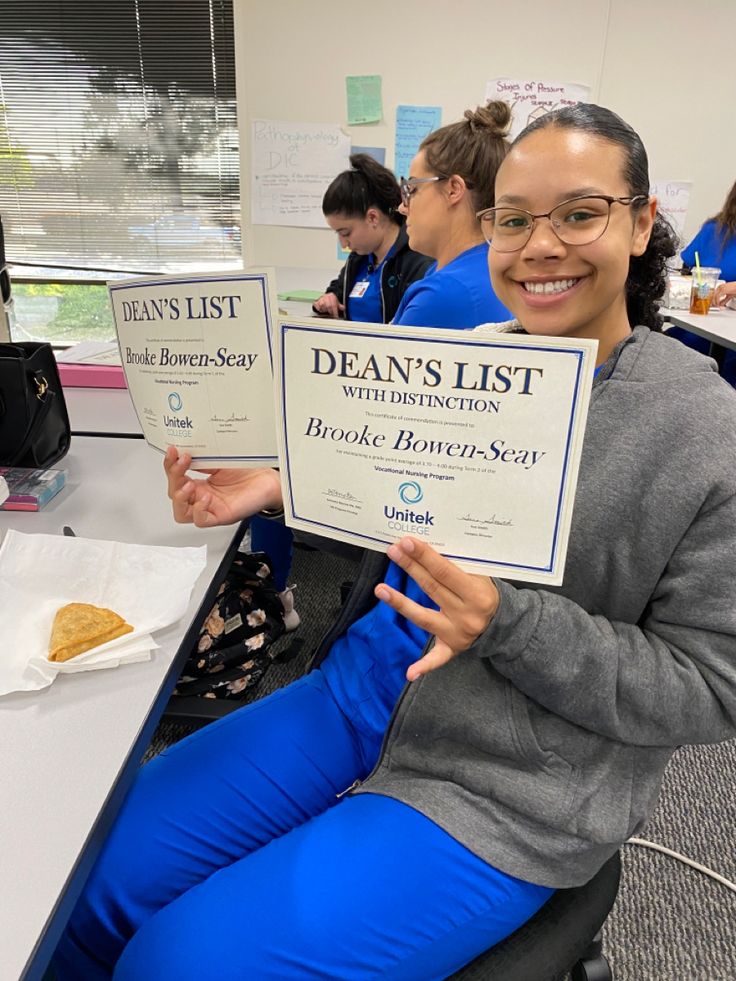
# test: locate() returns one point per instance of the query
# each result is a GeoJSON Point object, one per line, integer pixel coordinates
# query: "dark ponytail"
{"type": "Point", "coordinates": [366, 185]}
{"type": "Point", "coordinates": [647, 279]}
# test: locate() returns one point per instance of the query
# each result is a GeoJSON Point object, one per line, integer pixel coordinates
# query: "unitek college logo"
{"type": "Point", "coordinates": [407, 519]}
{"type": "Point", "coordinates": [177, 422]}
{"type": "Point", "coordinates": [410, 492]}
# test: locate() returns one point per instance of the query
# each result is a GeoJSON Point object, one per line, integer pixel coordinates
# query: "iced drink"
{"type": "Point", "coordinates": [702, 288]}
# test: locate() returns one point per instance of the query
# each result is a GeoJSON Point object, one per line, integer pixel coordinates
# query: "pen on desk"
{"type": "Point", "coordinates": [68, 532]}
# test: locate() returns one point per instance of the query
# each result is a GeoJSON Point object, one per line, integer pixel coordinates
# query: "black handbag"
{"type": "Point", "coordinates": [34, 423]}
{"type": "Point", "coordinates": [235, 646]}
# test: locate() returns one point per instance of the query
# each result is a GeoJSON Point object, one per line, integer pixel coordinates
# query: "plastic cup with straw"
{"type": "Point", "coordinates": [697, 299]}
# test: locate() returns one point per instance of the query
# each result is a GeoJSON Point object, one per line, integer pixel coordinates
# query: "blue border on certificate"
{"type": "Point", "coordinates": [165, 280]}
{"type": "Point", "coordinates": [467, 342]}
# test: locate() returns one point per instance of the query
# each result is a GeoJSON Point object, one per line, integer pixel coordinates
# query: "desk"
{"type": "Point", "coordinates": [102, 411]}
{"type": "Point", "coordinates": [718, 326]}
{"type": "Point", "coordinates": [68, 753]}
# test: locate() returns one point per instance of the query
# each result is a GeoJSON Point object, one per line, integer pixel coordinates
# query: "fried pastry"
{"type": "Point", "coordinates": [78, 627]}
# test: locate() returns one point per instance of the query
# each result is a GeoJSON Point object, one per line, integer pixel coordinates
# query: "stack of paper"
{"type": "Point", "coordinates": [149, 586]}
{"type": "Point", "coordinates": [90, 352]}
{"type": "Point", "coordinates": [91, 364]}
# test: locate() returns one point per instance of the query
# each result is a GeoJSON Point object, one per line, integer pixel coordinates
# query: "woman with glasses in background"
{"type": "Point", "coordinates": [451, 179]}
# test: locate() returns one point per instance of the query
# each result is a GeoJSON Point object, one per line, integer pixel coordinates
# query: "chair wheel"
{"type": "Point", "coordinates": [592, 970]}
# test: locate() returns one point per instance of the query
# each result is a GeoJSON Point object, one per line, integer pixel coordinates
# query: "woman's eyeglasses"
{"type": "Point", "coordinates": [578, 221]}
{"type": "Point", "coordinates": [410, 186]}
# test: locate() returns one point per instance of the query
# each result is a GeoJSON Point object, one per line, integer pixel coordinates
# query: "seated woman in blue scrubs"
{"type": "Point", "coordinates": [715, 244]}
{"type": "Point", "coordinates": [450, 182]}
{"type": "Point", "coordinates": [362, 206]}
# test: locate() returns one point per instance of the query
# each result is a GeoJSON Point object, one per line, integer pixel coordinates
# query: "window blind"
{"type": "Point", "coordinates": [118, 134]}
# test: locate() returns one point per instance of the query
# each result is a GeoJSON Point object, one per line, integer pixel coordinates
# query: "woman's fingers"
{"type": "Point", "coordinates": [182, 500]}
{"type": "Point", "coordinates": [427, 619]}
{"type": "Point", "coordinates": [440, 579]}
{"type": "Point", "coordinates": [437, 656]}
{"type": "Point", "coordinates": [467, 603]}
{"type": "Point", "coordinates": [175, 466]}
{"type": "Point", "coordinates": [202, 515]}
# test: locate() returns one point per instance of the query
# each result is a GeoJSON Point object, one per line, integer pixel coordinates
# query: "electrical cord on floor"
{"type": "Point", "coordinates": [683, 858]}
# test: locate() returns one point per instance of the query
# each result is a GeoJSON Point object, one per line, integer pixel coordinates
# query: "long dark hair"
{"type": "Point", "coordinates": [366, 185]}
{"type": "Point", "coordinates": [647, 277]}
{"type": "Point", "coordinates": [726, 218]}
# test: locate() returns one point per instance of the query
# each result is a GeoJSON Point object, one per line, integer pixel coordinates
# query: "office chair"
{"type": "Point", "coordinates": [562, 938]}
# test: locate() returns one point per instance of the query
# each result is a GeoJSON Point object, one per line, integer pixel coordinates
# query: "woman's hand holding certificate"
{"type": "Point", "coordinates": [467, 602]}
{"type": "Point", "coordinates": [224, 497]}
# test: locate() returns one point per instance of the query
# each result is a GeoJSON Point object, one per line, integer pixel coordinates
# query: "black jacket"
{"type": "Point", "coordinates": [402, 268]}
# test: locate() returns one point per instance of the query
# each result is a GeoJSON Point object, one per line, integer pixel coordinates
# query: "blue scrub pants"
{"type": "Point", "coordinates": [277, 540]}
{"type": "Point", "coordinates": [234, 858]}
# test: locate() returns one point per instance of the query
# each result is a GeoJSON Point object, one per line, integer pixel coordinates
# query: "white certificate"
{"type": "Point", "coordinates": [468, 440]}
{"type": "Point", "coordinates": [198, 363]}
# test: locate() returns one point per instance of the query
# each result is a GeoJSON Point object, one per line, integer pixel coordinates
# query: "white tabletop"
{"type": "Point", "coordinates": [68, 753]}
{"type": "Point", "coordinates": [718, 325]}
{"type": "Point", "coordinates": [102, 410]}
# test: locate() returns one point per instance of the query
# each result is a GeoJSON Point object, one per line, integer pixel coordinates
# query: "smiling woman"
{"type": "Point", "coordinates": [419, 824]}
{"type": "Point", "coordinates": [583, 253]}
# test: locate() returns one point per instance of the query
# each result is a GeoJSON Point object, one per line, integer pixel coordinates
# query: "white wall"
{"type": "Point", "coordinates": [667, 66]}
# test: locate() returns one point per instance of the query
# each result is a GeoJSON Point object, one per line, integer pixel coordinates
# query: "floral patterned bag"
{"type": "Point", "coordinates": [234, 649]}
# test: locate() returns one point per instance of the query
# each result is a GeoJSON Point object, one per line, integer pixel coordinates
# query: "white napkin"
{"type": "Point", "coordinates": [148, 585]}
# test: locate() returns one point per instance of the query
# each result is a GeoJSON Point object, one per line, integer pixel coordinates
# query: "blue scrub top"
{"type": "Point", "coordinates": [367, 307]}
{"type": "Point", "coordinates": [713, 251]}
{"type": "Point", "coordinates": [457, 296]}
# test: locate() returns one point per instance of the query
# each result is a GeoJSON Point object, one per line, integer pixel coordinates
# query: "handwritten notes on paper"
{"type": "Point", "coordinates": [364, 99]}
{"type": "Point", "coordinates": [292, 165]}
{"type": "Point", "coordinates": [673, 199]}
{"type": "Point", "coordinates": [413, 123]}
{"type": "Point", "coordinates": [531, 98]}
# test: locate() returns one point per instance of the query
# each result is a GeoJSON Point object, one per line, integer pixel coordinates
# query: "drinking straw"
{"type": "Point", "coordinates": [698, 276]}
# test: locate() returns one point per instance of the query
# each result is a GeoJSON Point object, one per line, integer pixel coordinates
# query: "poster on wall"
{"type": "Point", "coordinates": [531, 98]}
{"type": "Point", "coordinates": [292, 165]}
{"type": "Point", "coordinates": [673, 200]}
{"type": "Point", "coordinates": [413, 123]}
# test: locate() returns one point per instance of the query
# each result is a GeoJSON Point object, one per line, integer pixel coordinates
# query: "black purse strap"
{"type": "Point", "coordinates": [45, 397]}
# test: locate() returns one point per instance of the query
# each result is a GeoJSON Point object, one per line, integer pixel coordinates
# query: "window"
{"type": "Point", "coordinates": [118, 150]}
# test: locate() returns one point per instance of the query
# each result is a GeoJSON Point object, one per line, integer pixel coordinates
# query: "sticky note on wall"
{"type": "Point", "coordinates": [413, 123]}
{"type": "Point", "coordinates": [364, 99]}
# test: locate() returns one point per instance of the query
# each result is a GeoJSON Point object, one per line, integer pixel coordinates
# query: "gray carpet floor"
{"type": "Point", "coordinates": [670, 922]}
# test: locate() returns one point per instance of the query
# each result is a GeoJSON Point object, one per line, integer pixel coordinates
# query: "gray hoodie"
{"type": "Point", "coordinates": [542, 747]}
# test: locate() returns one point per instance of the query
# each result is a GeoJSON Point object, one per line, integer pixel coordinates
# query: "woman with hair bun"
{"type": "Point", "coordinates": [451, 178]}
{"type": "Point", "coordinates": [362, 206]}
